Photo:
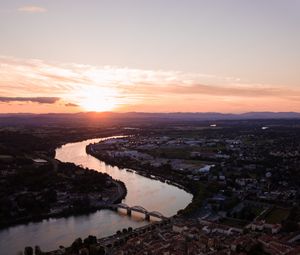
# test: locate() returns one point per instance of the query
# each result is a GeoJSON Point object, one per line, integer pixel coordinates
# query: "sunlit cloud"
{"type": "Point", "coordinates": [32, 9]}
{"type": "Point", "coordinates": [71, 105]}
{"type": "Point", "coordinates": [106, 88]}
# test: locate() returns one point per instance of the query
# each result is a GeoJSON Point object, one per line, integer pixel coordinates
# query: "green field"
{"type": "Point", "coordinates": [277, 215]}
{"type": "Point", "coordinates": [234, 222]}
{"type": "Point", "coordinates": [182, 152]}
{"type": "Point", "coordinates": [172, 153]}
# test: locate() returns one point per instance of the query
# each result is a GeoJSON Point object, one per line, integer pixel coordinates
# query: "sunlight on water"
{"type": "Point", "coordinates": [49, 234]}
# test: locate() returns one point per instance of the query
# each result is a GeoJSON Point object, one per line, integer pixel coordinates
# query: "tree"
{"type": "Point", "coordinates": [90, 240]}
{"type": "Point", "coordinates": [101, 251]}
{"type": "Point", "coordinates": [290, 226]}
{"type": "Point", "coordinates": [28, 250]}
{"type": "Point", "coordinates": [256, 249]}
{"type": "Point", "coordinates": [94, 250]}
{"type": "Point", "coordinates": [50, 196]}
{"type": "Point", "coordinates": [37, 250]}
{"type": "Point", "coordinates": [76, 245]}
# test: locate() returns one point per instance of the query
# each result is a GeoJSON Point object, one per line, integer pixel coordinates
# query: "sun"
{"type": "Point", "coordinates": [98, 100]}
{"type": "Point", "coordinates": [97, 105]}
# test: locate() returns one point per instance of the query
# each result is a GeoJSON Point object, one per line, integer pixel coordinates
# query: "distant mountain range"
{"type": "Point", "coordinates": [131, 117]}
{"type": "Point", "coordinates": [207, 115]}
{"type": "Point", "coordinates": [173, 115]}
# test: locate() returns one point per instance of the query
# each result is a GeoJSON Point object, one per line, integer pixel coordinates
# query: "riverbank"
{"type": "Point", "coordinates": [33, 187]}
{"type": "Point", "coordinates": [167, 176]}
{"type": "Point", "coordinates": [102, 223]}
{"type": "Point", "coordinates": [74, 191]}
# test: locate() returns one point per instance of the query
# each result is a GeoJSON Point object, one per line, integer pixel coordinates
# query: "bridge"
{"type": "Point", "coordinates": [139, 209]}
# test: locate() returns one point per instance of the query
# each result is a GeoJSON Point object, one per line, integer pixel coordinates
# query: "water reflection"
{"type": "Point", "coordinates": [49, 234]}
{"type": "Point", "coordinates": [150, 194]}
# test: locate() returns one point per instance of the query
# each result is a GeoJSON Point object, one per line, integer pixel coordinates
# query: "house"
{"type": "Point", "coordinates": [205, 169]}
{"type": "Point", "coordinates": [179, 228]}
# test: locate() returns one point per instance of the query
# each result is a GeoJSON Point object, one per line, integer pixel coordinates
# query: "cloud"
{"type": "Point", "coordinates": [90, 85]}
{"type": "Point", "coordinates": [71, 105]}
{"type": "Point", "coordinates": [217, 90]}
{"type": "Point", "coordinates": [32, 9]}
{"type": "Point", "coordinates": [40, 100]}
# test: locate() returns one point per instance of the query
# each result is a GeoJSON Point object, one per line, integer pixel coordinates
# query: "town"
{"type": "Point", "coordinates": [35, 186]}
{"type": "Point", "coordinates": [177, 236]}
{"type": "Point", "coordinates": [244, 179]}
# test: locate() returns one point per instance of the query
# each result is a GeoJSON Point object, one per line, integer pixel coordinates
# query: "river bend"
{"type": "Point", "coordinates": [49, 234]}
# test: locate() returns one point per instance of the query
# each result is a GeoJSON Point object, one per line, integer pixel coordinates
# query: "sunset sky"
{"type": "Point", "coordinates": [149, 55]}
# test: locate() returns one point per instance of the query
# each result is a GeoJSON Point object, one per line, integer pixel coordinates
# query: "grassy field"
{"type": "Point", "coordinates": [277, 215]}
{"type": "Point", "coordinates": [198, 163]}
{"type": "Point", "coordinates": [234, 222]}
{"type": "Point", "coordinates": [182, 152]}
{"type": "Point", "coordinates": [257, 210]}
{"type": "Point", "coordinates": [172, 153]}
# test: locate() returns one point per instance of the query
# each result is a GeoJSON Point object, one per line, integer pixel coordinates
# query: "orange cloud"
{"type": "Point", "coordinates": [122, 89]}
{"type": "Point", "coordinates": [71, 105]}
{"type": "Point", "coordinates": [32, 9]}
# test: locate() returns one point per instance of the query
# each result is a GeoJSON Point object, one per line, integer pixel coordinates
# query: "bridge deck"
{"type": "Point", "coordinates": [139, 209]}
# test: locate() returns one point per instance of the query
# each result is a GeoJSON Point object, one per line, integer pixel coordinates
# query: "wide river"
{"type": "Point", "coordinates": [49, 234]}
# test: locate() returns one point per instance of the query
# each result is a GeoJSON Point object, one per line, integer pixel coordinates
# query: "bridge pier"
{"type": "Point", "coordinates": [129, 212]}
{"type": "Point", "coordinates": [147, 216]}
{"type": "Point", "coordinates": [114, 208]}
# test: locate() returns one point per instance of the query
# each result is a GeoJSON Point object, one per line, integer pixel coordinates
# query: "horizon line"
{"type": "Point", "coordinates": [175, 112]}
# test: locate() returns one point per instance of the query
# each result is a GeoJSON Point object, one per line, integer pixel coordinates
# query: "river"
{"type": "Point", "coordinates": [49, 234]}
